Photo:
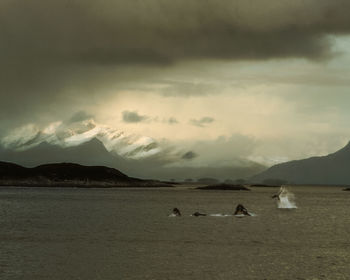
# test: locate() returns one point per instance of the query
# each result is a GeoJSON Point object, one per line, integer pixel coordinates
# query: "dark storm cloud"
{"type": "Point", "coordinates": [202, 122]}
{"type": "Point", "coordinates": [189, 155]}
{"type": "Point", "coordinates": [133, 117]}
{"type": "Point", "coordinates": [172, 120]}
{"type": "Point", "coordinates": [162, 31]}
{"type": "Point", "coordinates": [80, 116]}
{"type": "Point", "coordinates": [56, 53]}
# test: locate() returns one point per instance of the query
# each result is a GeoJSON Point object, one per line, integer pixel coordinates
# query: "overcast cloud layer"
{"type": "Point", "coordinates": [184, 71]}
{"type": "Point", "coordinates": [53, 49]}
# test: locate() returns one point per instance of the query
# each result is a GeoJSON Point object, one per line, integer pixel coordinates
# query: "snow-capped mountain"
{"type": "Point", "coordinates": [73, 134]}
{"type": "Point", "coordinates": [90, 143]}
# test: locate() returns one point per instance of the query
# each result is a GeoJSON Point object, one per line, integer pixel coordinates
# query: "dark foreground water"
{"type": "Point", "coordinates": [126, 234]}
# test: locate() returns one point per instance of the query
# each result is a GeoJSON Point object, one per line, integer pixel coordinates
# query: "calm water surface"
{"type": "Point", "coordinates": [126, 234]}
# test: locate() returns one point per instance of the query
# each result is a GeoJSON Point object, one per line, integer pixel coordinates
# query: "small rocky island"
{"type": "Point", "coordinates": [69, 175]}
{"type": "Point", "coordinates": [225, 187]}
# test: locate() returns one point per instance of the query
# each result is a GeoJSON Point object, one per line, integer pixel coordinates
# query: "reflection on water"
{"type": "Point", "coordinates": [127, 234]}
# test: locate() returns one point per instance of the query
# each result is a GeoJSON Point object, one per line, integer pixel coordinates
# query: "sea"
{"type": "Point", "coordinates": [73, 233]}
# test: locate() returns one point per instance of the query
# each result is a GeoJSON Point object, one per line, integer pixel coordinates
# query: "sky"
{"type": "Point", "coordinates": [210, 83]}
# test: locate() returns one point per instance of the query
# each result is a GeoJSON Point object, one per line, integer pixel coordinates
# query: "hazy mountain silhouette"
{"type": "Point", "coordinates": [94, 152]}
{"type": "Point", "coordinates": [331, 169]}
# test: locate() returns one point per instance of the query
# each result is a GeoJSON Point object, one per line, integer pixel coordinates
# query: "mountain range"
{"type": "Point", "coordinates": [73, 133]}
{"type": "Point", "coordinates": [82, 140]}
{"type": "Point", "coordinates": [91, 152]}
{"type": "Point", "coordinates": [333, 169]}
{"type": "Point", "coordinates": [322, 170]}
{"type": "Point", "coordinates": [94, 152]}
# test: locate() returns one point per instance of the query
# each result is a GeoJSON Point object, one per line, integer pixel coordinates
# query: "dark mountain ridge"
{"type": "Point", "coordinates": [333, 169]}
{"type": "Point", "coordinates": [69, 175]}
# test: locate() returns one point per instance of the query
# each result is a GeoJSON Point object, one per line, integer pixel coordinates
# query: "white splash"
{"type": "Point", "coordinates": [286, 199]}
{"type": "Point", "coordinates": [172, 215]}
{"type": "Point", "coordinates": [220, 215]}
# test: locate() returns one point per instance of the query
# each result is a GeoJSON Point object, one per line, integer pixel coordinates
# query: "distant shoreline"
{"type": "Point", "coordinates": [94, 185]}
{"type": "Point", "coordinates": [152, 185]}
